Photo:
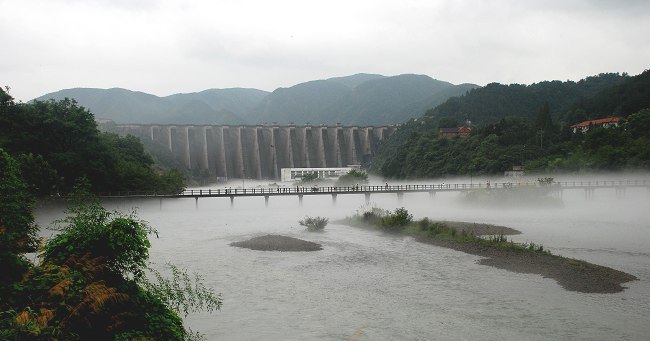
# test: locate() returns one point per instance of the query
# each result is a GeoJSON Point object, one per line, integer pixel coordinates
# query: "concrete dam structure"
{"type": "Point", "coordinates": [259, 152]}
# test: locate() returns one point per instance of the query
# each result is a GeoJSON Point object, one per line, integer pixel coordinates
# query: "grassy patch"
{"type": "Point", "coordinates": [402, 221]}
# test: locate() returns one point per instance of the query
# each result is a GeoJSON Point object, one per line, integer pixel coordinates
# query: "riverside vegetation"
{"type": "Point", "coordinates": [314, 223]}
{"type": "Point", "coordinates": [491, 242]}
{"type": "Point", "coordinates": [527, 126]}
{"type": "Point", "coordinates": [55, 143]}
{"type": "Point", "coordinates": [91, 278]}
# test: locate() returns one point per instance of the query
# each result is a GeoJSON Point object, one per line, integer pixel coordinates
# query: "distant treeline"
{"type": "Point", "coordinates": [57, 143]}
{"type": "Point", "coordinates": [529, 126]}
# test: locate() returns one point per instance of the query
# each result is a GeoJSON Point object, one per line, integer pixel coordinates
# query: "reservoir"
{"type": "Point", "coordinates": [370, 285]}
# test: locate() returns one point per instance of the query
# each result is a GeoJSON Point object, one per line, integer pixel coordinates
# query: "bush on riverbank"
{"type": "Point", "coordinates": [314, 223]}
{"type": "Point", "coordinates": [392, 222]}
{"type": "Point", "coordinates": [90, 279]}
{"type": "Point", "coordinates": [401, 220]}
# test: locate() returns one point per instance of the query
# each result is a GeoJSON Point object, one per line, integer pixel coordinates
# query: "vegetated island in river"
{"type": "Point", "coordinates": [489, 241]}
{"type": "Point", "coordinates": [272, 242]}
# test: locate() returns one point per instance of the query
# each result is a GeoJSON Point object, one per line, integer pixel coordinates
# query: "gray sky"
{"type": "Point", "coordinates": [166, 47]}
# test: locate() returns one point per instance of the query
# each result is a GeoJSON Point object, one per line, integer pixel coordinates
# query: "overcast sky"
{"type": "Point", "coordinates": [166, 47]}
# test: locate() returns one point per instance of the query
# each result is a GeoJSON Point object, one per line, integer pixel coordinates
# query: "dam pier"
{"type": "Point", "coordinates": [259, 152]}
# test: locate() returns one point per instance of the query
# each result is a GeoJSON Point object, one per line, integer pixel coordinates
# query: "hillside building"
{"type": "Point", "coordinates": [584, 127]}
{"type": "Point", "coordinates": [461, 132]}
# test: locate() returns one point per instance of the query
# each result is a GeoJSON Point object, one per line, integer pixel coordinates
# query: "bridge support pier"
{"type": "Point", "coordinates": [232, 201]}
{"type": "Point", "coordinates": [300, 199]}
{"type": "Point", "coordinates": [367, 195]}
{"type": "Point", "coordinates": [196, 202]}
{"type": "Point", "coordinates": [620, 192]}
{"type": "Point", "coordinates": [266, 200]}
{"type": "Point", "coordinates": [589, 193]}
{"type": "Point", "coordinates": [334, 199]}
{"type": "Point", "coordinates": [400, 197]}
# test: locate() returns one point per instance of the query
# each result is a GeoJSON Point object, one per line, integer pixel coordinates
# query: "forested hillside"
{"type": "Point", "coordinates": [357, 100]}
{"type": "Point", "coordinates": [361, 99]}
{"type": "Point", "coordinates": [496, 101]}
{"type": "Point", "coordinates": [213, 106]}
{"type": "Point", "coordinates": [529, 126]}
{"type": "Point", "coordinates": [56, 143]}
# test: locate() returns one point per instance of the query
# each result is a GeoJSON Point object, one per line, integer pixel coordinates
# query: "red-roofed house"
{"type": "Point", "coordinates": [461, 132]}
{"type": "Point", "coordinates": [584, 127]}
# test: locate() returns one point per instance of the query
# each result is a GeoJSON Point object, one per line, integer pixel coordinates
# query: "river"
{"type": "Point", "coordinates": [368, 285]}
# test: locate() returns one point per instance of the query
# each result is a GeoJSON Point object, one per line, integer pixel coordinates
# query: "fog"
{"type": "Point", "coordinates": [373, 285]}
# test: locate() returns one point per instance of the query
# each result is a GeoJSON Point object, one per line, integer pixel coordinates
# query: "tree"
{"type": "Point", "coordinates": [57, 142]}
{"type": "Point", "coordinates": [543, 120]}
{"type": "Point", "coordinates": [17, 227]}
{"type": "Point", "coordinates": [309, 177]}
{"type": "Point", "coordinates": [353, 177]}
{"type": "Point", "coordinates": [91, 281]}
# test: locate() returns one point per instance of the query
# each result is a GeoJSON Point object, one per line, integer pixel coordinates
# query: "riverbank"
{"type": "Point", "coordinates": [489, 241]}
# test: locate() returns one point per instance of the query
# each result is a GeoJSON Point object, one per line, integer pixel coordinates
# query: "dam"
{"type": "Point", "coordinates": [259, 152]}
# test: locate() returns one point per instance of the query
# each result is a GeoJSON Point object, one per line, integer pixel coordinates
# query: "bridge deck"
{"type": "Point", "coordinates": [364, 189]}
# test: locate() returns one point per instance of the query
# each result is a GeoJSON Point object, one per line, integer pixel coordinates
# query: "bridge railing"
{"type": "Point", "coordinates": [379, 188]}
{"type": "Point", "coordinates": [348, 189]}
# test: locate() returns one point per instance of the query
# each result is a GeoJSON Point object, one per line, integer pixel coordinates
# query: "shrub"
{"type": "Point", "coordinates": [397, 220]}
{"type": "Point", "coordinates": [309, 177]}
{"type": "Point", "coordinates": [314, 223]}
{"type": "Point", "coordinates": [353, 177]}
{"type": "Point", "coordinates": [433, 228]}
{"type": "Point", "coordinates": [371, 215]}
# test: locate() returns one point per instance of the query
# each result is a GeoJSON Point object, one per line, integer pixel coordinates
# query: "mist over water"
{"type": "Point", "coordinates": [368, 285]}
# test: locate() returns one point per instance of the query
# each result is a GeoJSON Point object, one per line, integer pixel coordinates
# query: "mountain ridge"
{"type": "Point", "coordinates": [358, 99]}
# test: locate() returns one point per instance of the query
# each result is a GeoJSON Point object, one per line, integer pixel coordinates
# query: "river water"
{"type": "Point", "coordinates": [368, 285]}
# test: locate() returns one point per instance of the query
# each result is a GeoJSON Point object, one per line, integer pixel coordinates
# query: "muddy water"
{"type": "Point", "coordinates": [366, 285]}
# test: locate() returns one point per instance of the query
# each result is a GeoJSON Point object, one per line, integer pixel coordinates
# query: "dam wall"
{"type": "Point", "coordinates": [259, 152]}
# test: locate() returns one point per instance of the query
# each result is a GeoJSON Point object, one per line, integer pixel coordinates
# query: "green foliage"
{"type": "Point", "coordinates": [38, 173]}
{"type": "Point", "coordinates": [309, 177]}
{"type": "Point", "coordinates": [516, 127]}
{"type": "Point", "coordinates": [378, 218]}
{"type": "Point", "coordinates": [57, 142]}
{"type": "Point", "coordinates": [18, 232]}
{"type": "Point", "coordinates": [619, 99]}
{"type": "Point", "coordinates": [121, 241]}
{"type": "Point", "coordinates": [638, 124]}
{"type": "Point", "coordinates": [183, 293]}
{"type": "Point", "coordinates": [91, 282]}
{"type": "Point", "coordinates": [390, 221]}
{"type": "Point", "coordinates": [495, 148]}
{"type": "Point", "coordinates": [353, 177]}
{"type": "Point", "coordinates": [397, 220]}
{"type": "Point", "coordinates": [314, 223]}
{"type": "Point", "coordinates": [17, 228]}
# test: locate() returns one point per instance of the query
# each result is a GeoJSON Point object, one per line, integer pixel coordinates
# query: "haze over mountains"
{"type": "Point", "coordinates": [361, 99]}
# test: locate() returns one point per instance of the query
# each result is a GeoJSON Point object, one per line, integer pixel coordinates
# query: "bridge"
{"type": "Point", "coordinates": [300, 191]}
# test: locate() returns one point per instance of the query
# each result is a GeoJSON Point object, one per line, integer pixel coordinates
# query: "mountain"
{"type": "Point", "coordinates": [623, 99]}
{"type": "Point", "coordinates": [214, 106]}
{"type": "Point", "coordinates": [355, 80]}
{"type": "Point", "coordinates": [496, 101]}
{"type": "Point", "coordinates": [362, 99]}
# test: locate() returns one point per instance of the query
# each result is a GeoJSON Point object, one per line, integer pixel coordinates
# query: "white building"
{"type": "Point", "coordinates": [292, 174]}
